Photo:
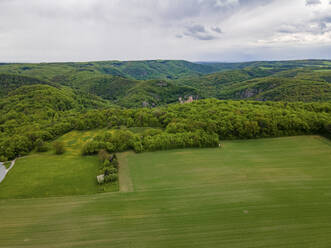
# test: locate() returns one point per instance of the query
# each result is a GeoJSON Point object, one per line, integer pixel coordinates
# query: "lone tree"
{"type": "Point", "coordinates": [59, 147]}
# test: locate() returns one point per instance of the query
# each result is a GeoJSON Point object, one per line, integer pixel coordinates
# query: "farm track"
{"type": "Point", "coordinates": [125, 182]}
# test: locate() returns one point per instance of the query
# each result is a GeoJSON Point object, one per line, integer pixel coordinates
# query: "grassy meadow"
{"type": "Point", "coordinates": [249, 193]}
{"type": "Point", "coordinates": [48, 174]}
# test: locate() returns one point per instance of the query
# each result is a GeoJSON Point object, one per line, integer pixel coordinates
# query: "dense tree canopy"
{"type": "Point", "coordinates": [176, 124]}
{"type": "Point", "coordinates": [39, 102]}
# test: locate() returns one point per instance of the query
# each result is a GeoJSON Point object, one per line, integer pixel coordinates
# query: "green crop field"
{"type": "Point", "coordinates": [249, 193]}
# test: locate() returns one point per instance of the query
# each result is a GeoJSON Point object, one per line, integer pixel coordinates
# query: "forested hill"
{"type": "Point", "coordinates": [283, 65]}
{"type": "Point", "coordinates": [127, 83]}
{"type": "Point", "coordinates": [40, 114]}
{"type": "Point", "coordinates": [158, 82]}
{"type": "Point", "coordinates": [274, 84]}
{"type": "Point", "coordinates": [141, 70]}
{"type": "Point", "coordinates": [39, 102]}
{"type": "Point", "coordinates": [10, 82]}
{"type": "Point", "coordinates": [147, 69]}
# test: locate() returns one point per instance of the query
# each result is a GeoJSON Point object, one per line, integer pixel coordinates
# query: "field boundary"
{"type": "Point", "coordinates": [125, 182]}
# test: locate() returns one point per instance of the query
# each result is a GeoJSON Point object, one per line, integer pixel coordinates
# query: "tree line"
{"type": "Point", "coordinates": [122, 140]}
{"type": "Point", "coordinates": [198, 124]}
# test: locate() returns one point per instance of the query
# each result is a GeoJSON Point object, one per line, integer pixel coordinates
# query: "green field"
{"type": "Point", "coordinates": [47, 174]}
{"type": "Point", "coordinates": [249, 193]}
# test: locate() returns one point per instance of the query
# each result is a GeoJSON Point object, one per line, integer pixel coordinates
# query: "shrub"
{"type": "Point", "coordinates": [113, 170]}
{"type": "Point", "coordinates": [92, 147]}
{"type": "Point", "coordinates": [41, 146]}
{"type": "Point", "coordinates": [109, 170]}
{"type": "Point", "coordinates": [103, 155]}
{"type": "Point", "coordinates": [115, 162]}
{"type": "Point", "coordinates": [106, 163]}
{"type": "Point", "coordinates": [59, 147]}
{"type": "Point", "coordinates": [3, 158]}
{"type": "Point", "coordinates": [111, 178]}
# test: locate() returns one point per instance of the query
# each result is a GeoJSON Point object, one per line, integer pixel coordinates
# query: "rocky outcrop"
{"type": "Point", "coordinates": [247, 93]}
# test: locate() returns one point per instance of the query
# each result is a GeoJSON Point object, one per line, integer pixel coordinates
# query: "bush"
{"type": "Point", "coordinates": [59, 147]}
{"type": "Point", "coordinates": [92, 147]}
{"type": "Point", "coordinates": [41, 146]}
{"type": "Point", "coordinates": [106, 163]}
{"type": "Point", "coordinates": [111, 178]}
{"type": "Point", "coordinates": [115, 162]}
{"type": "Point", "coordinates": [3, 159]}
{"type": "Point", "coordinates": [109, 170]}
{"type": "Point", "coordinates": [103, 155]}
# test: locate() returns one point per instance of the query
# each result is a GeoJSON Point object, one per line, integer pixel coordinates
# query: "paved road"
{"type": "Point", "coordinates": [3, 172]}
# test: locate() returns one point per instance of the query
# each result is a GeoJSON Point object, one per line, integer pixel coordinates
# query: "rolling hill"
{"type": "Point", "coordinates": [135, 93]}
{"type": "Point", "coordinates": [157, 82]}
{"type": "Point", "coordinates": [141, 70]}
{"type": "Point", "coordinates": [302, 84]}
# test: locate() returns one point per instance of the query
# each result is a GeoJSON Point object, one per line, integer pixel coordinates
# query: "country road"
{"type": "Point", "coordinates": [4, 170]}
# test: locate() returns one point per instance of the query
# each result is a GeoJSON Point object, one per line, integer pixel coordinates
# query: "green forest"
{"type": "Point", "coordinates": [40, 102]}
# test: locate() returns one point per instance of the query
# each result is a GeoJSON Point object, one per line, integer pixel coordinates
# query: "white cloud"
{"type": "Point", "coordinates": [76, 30]}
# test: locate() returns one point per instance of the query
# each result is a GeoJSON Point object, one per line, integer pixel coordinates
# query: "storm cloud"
{"type": "Point", "coordinates": [223, 30]}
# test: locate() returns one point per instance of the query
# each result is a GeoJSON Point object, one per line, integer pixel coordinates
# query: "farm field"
{"type": "Point", "coordinates": [47, 174]}
{"type": "Point", "coordinates": [249, 193]}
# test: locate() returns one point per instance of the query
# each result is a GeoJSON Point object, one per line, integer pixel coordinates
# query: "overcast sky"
{"type": "Point", "coordinates": [195, 30]}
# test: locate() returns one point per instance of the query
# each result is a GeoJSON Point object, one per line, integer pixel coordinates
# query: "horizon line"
{"type": "Point", "coordinates": [145, 60]}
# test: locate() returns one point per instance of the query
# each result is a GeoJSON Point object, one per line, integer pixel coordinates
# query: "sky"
{"type": "Point", "coordinates": [194, 30]}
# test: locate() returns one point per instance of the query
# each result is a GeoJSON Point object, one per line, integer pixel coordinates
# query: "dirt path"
{"type": "Point", "coordinates": [4, 171]}
{"type": "Point", "coordinates": [125, 181]}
